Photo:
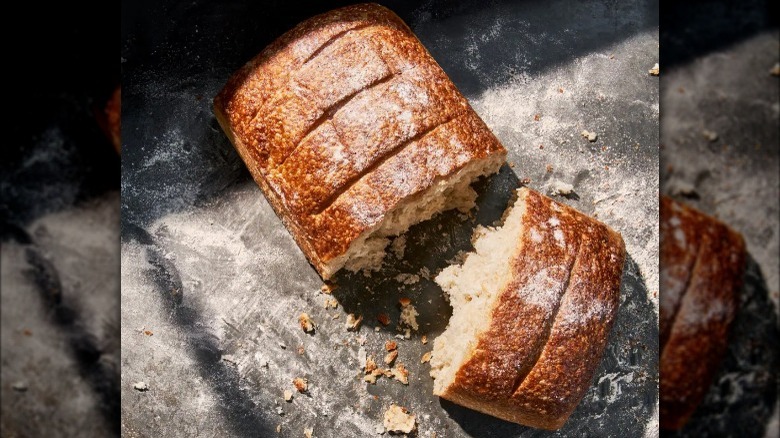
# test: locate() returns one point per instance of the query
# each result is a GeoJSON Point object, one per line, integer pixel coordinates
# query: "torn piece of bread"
{"type": "Point", "coordinates": [354, 133]}
{"type": "Point", "coordinates": [532, 308]}
{"type": "Point", "coordinates": [701, 268]}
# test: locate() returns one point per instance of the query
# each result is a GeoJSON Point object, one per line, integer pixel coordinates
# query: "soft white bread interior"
{"type": "Point", "coordinates": [448, 193]}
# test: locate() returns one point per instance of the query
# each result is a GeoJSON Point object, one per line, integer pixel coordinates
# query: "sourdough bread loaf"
{"type": "Point", "coordinates": [354, 133]}
{"type": "Point", "coordinates": [533, 306]}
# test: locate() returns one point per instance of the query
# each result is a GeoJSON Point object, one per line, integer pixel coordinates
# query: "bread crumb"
{"type": "Point", "coordinates": [353, 323]}
{"type": "Point", "coordinates": [336, 316]}
{"type": "Point", "coordinates": [549, 168]}
{"type": "Point", "coordinates": [306, 323]}
{"type": "Point", "coordinates": [409, 316]}
{"type": "Point", "coordinates": [711, 136]}
{"type": "Point", "coordinates": [391, 345]}
{"type": "Point", "coordinates": [655, 71]}
{"type": "Point", "coordinates": [383, 319]}
{"type": "Point", "coordinates": [138, 386]}
{"type": "Point", "coordinates": [560, 188]}
{"type": "Point", "coordinates": [301, 384]}
{"type": "Point", "coordinates": [397, 419]}
{"type": "Point", "coordinates": [537, 117]}
{"type": "Point", "coordinates": [288, 395]}
{"type": "Point", "coordinates": [379, 429]}
{"type": "Point", "coordinates": [308, 432]}
{"type": "Point", "coordinates": [390, 357]}
{"type": "Point", "coordinates": [328, 288]}
{"type": "Point", "coordinates": [404, 302]}
{"type": "Point", "coordinates": [400, 373]}
{"type": "Point", "coordinates": [424, 339]}
{"type": "Point", "coordinates": [560, 90]}
{"type": "Point", "coordinates": [398, 247]}
{"type": "Point", "coordinates": [301, 350]}
{"type": "Point", "coordinates": [775, 71]}
{"type": "Point", "coordinates": [331, 303]}
{"type": "Point", "coordinates": [278, 428]}
{"type": "Point", "coordinates": [591, 136]}
{"type": "Point", "coordinates": [370, 378]}
{"type": "Point", "coordinates": [407, 278]}
{"type": "Point", "coordinates": [426, 357]}
{"type": "Point", "coordinates": [370, 364]}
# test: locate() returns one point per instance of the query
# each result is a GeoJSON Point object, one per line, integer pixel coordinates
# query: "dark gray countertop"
{"type": "Point", "coordinates": [211, 272]}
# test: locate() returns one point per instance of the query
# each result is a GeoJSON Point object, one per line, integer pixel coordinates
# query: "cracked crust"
{"type": "Point", "coordinates": [344, 118]}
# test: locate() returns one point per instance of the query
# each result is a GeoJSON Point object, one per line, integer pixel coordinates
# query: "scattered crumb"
{"type": "Point", "coordinates": [148, 333]}
{"type": "Point", "coordinates": [331, 303]}
{"type": "Point", "coordinates": [301, 384]}
{"type": "Point", "coordinates": [407, 278]}
{"type": "Point", "coordinates": [278, 428]}
{"type": "Point", "coordinates": [301, 350]}
{"type": "Point", "coordinates": [379, 329]}
{"type": "Point", "coordinates": [408, 334]}
{"type": "Point", "coordinates": [383, 319]}
{"type": "Point", "coordinates": [426, 357]}
{"type": "Point", "coordinates": [308, 432]}
{"type": "Point", "coordinates": [525, 181]}
{"type": "Point", "coordinates": [390, 357]}
{"type": "Point", "coordinates": [306, 323]}
{"type": "Point", "coordinates": [138, 386]}
{"type": "Point", "coordinates": [424, 339]}
{"type": "Point", "coordinates": [398, 419]}
{"type": "Point", "coordinates": [370, 378]}
{"type": "Point", "coordinates": [22, 387]}
{"type": "Point", "coordinates": [549, 168]}
{"type": "Point", "coordinates": [537, 117]}
{"type": "Point", "coordinates": [27, 332]}
{"type": "Point", "coordinates": [711, 136]}
{"type": "Point", "coordinates": [288, 395]}
{"type": "Point", "coordinates": [353, 323]}
{"type": "Point", "coordinates": [655, 71]}
{"type": "Point", "coordinates": [370, 364]}
{"type": "Point", "coordinates": [398, 247]}
{"type": "Point", "coordinates": [560, 90]}
{"type": "Point", "coordinates": [512, 164]}
{"type": "Point", "coordinates": [379, 429]}
{"type": "Point", "coordinates": [409, 317]}
{"type": "Point", "coordinates": [591, 136]}
{"type": "Point", "coordinates": [775, 71]}
{"type": "Point", "coordinates": [279, 410]}
{"type": "Point", "coordinates": [560, 188]}
{"type": "Point", "coordinates": [400, 373]}
{"type": "Point", "coordinates": [327, 288]}
{"type": "Point", "coordinates": [336, 316]}
{"type": "Point", "coordinates": [404, 301]}
{"type": "Point", "coordinates": [425, 272]}
{"type": "Point", "coordinates": [391, 345]}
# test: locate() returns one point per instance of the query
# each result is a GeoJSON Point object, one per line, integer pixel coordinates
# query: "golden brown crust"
{"type": "Point", "coordinates": [562, 299]}
{"type": "Point", "coordinates": [334, 119]}
{"type": "Point", "coordinates": [698, 335]}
